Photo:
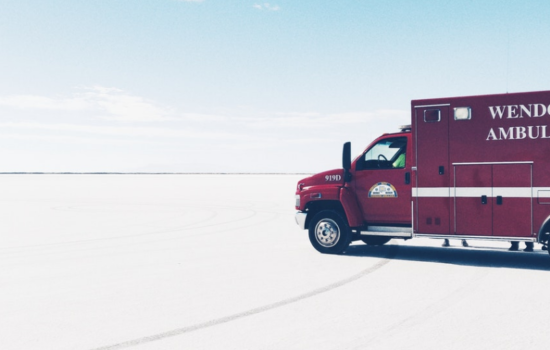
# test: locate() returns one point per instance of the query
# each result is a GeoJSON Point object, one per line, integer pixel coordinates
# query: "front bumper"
{"type": "Point", "coordinates": [301, 219]}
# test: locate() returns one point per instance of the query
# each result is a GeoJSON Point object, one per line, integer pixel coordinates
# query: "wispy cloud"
{"type": "Point", "coordinates": [116, 131]}
{"type": "Point", "coordinates": [101, 102]}
{"type": "Point", "coordinates": [121, 106]}
{"type": "Point", "coordinates": [43, 102]}
{"type": "Point", "coordinates": [293, 120]}
{"type": "Point", "coordinates": [110, 116]}
{"type": "Point", "coordinates": [87, 108]}
{"type": "Point", "coordinates": [110, 123]}
{"type": "Point", "coordinates": [266, 6]}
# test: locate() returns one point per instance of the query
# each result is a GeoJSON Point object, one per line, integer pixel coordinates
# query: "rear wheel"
{"type": "Point", "coordinates": [375, 240]}
{"type": "Point", "coordinates": [329, 232]}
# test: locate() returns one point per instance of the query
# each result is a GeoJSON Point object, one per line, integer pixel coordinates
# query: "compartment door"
{"type": "Point", "coordinates": [473, 200]}
{"type": "Point", "coordinates": [432, 204]}
{"type": "Point", "coordinates": [512, 206]}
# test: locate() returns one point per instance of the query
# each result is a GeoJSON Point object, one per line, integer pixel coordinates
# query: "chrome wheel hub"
{"type": "Point", "coordinates": [327, 233]}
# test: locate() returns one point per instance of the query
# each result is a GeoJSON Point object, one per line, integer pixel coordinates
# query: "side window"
{"type": "Point", "coordinates": [385, 154]}
{"type": "Point", "coordinates": [432, 115]}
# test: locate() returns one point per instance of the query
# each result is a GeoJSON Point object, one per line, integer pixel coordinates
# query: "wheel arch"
{"type": "Point", "coordinates": [545, 228]}
{"type": "Point", "coordinates": [317, 206]}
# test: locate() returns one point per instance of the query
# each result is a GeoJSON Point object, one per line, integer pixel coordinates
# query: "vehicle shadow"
{"type": "Point", "coordinates": [498, 258]}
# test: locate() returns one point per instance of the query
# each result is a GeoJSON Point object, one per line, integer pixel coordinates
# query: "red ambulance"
{"type": "Point", "coordinates": [474, 167]}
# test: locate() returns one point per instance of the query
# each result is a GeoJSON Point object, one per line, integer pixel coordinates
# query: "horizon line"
{"type": "Point", "coordinates": [140, 173]}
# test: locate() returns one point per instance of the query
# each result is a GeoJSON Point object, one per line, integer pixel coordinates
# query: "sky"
{"type": "Point", "coordinates": [244, 85]}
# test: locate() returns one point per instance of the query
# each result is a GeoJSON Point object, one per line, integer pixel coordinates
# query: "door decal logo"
{"type": "Point", "coordinates": [383, 190]}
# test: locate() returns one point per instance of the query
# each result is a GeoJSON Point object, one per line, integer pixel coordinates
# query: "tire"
{"type": "Point", "coordinates": [376, 240]}
{"type": "Point", "coordinates": [329, 232]}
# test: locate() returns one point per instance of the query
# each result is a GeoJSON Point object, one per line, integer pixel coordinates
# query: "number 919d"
{"type": "Point", "coordinates": [333, 177]}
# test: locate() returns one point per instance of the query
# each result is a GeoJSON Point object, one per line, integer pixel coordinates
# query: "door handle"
{"type": "Point", "coordinates": [499, 200]}
{"type": "Point", "coordinates": [483, 199]}
{"type": "Point", "coordinates": [441, 170]}
{"type": "Point", "coordinates": [407, 178]}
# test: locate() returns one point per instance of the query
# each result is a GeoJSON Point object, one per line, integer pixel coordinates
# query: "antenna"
{"type": "Point", "coordinates": [507, 56]}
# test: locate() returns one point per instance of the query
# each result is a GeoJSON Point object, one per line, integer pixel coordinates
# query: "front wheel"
{"type": "Point", "coordinates": [329, 232]}
{"type": "Point", "coordinates": [376, 240]}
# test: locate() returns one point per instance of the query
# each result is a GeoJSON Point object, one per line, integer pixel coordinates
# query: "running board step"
{"type": "Point", "coordinates": [388, 231]}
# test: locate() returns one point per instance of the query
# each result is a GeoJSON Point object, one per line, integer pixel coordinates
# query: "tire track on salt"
{"type": "Point", "coordinates": [392, 252]}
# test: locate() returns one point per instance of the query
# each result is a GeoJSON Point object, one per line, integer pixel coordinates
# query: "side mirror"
{"type": "Point", "coordinates": [346, 161]}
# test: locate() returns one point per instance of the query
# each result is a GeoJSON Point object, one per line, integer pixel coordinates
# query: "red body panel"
{"type": "Point", "coordinates": [323, 186]}
{"type": "Point", "coordinates": [500, 152]}
{"type": "Point", "coordinates": [471, 166]}
{"type": "Point", "coordinates": [353, 212]}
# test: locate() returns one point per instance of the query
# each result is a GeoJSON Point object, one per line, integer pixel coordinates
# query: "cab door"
{"type": "Point", "coordinates": [382, 181]}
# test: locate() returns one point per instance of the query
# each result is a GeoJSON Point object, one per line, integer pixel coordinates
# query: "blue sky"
{"type": "Point", "coordinates": [243, 86]}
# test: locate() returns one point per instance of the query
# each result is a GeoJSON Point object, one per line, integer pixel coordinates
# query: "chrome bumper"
{"type": "Point", "coordinates": [301, 219]}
